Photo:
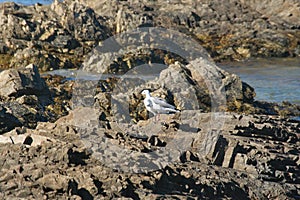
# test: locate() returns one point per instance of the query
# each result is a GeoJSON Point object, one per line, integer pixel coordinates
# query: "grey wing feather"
{"type": "Point", "coordinates": [162, 102]}
{"type": "Point", "coordinates": [148, 103]}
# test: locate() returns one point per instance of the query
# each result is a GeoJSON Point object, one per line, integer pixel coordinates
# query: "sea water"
{"type": "Point", "coordinates": [274, 80]}
{"type": "Point", "coordinates": [28, 2]}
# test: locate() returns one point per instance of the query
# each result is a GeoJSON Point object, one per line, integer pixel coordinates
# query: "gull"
{"type": "Point", "coordinates": [157, 105]}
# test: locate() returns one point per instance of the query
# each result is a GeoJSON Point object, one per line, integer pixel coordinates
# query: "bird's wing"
{"type": "Point", "coordinates": [148, 103]}
{"type": "Point", "coordinates": [149, 106]}
{"type": "Point", "coordinates": [161, 102]}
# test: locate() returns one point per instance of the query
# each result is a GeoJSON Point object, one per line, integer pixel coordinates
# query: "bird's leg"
{"type": "Point", "coordinates": [156, 117]}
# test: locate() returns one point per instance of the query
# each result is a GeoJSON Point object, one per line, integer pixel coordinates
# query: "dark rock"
{"type": "Point", "coordinates": [284, 109]}
{"type": "Point", "coordinates": [42, 60]}
{"type": "Point", "coordinates": [61, 92]}
{"type": "Point", "coordinates": [7, 120]}
{"type": "Point", "coordinates": [155, 141]}
{"type": "Point", "coordinates": [25, 115]}
{"type": "Point", "coordinates": [188, 156]}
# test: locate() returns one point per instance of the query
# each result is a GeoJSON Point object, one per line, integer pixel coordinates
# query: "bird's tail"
{"type": "Point", "coordinates": [172, 110]}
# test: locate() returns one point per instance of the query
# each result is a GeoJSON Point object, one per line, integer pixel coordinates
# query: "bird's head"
{"type": "Point", "coordinates": [145, 92]}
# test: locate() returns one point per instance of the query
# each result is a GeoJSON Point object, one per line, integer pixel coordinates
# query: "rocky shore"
{"type": "Point", "coordinates": [64, 138]}
{"type": "Point", "coordinates": [50, 35]}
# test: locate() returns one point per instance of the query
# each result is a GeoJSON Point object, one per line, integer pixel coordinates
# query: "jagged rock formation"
{"type": "Point", "coordinates": [254, 157]}
{"type": "Point", "coordinates": [228, 30]}
{"type": "Point", "coordinates": [61, 34]}
{"type": "Point", "coordinates": [26, 98]}
{"type": "Point", "coordinates": [51, 36]}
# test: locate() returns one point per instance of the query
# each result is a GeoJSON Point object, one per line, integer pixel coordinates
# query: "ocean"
{"type": "Point", "coordinates": [29, 2]}
{"type": "Point", "coordinates": [274, 79]}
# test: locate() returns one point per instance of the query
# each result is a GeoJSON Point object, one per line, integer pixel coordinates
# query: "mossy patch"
{"type": "Point", "coordinates": [5, 61]}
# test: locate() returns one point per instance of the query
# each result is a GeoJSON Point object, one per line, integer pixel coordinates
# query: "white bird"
{"type": "Point", "coordinates": [157, 105]}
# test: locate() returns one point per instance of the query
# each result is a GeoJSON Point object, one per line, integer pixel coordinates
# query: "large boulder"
{"type": "Point", "coordinates": [15, 83]}
{"type": "Point", "coordinates": [24, 98]}
{"type": "Point", "coordinates": [210, 85]}
{"type": "Point", "coordinates": [237, 92]}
